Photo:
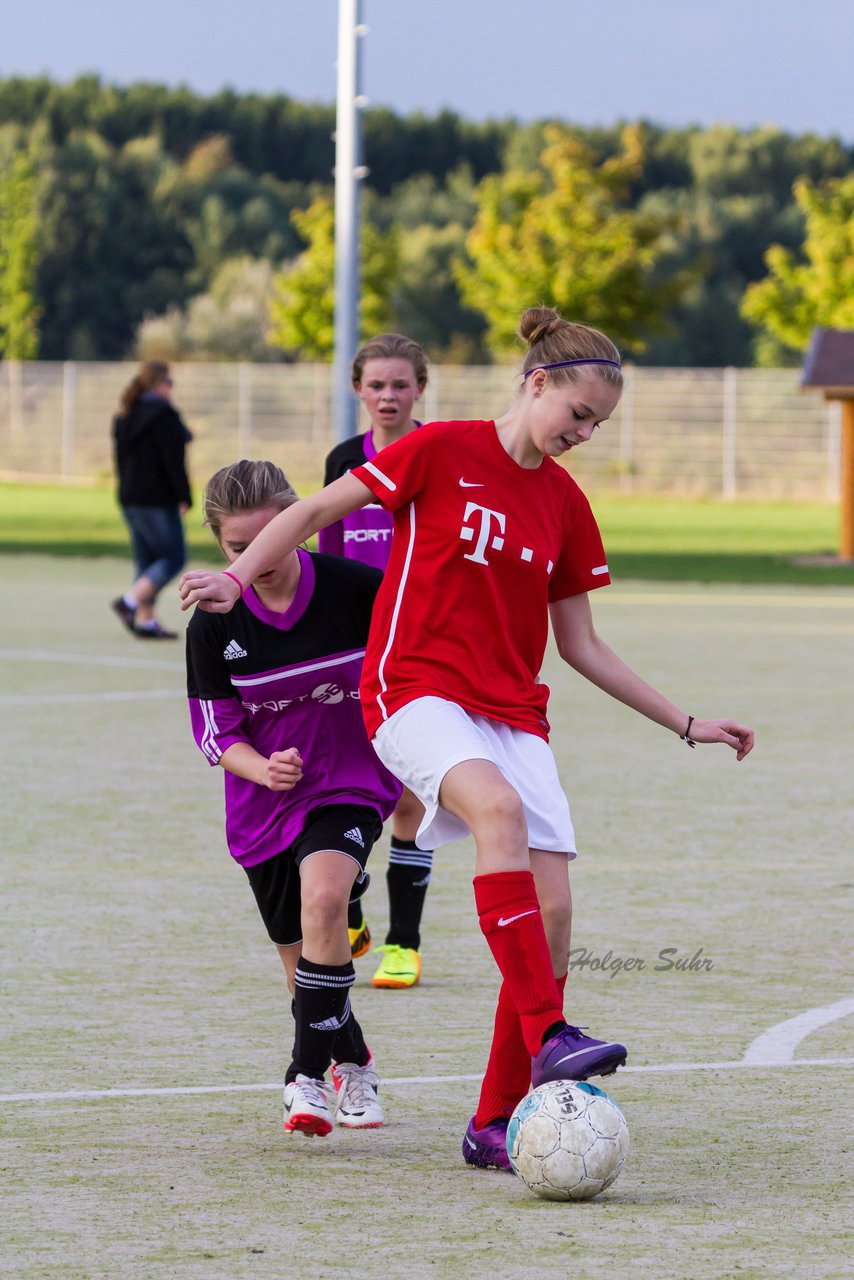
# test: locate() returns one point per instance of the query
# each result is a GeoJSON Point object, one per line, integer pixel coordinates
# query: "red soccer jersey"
{"type": "Point", "coordinates": [480, 547]}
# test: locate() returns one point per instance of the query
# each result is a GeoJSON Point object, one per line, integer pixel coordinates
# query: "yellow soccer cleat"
{"type": "Point", "coordinates": [400, 967]}
{"type": "Point", "coordinates": [360, 940]}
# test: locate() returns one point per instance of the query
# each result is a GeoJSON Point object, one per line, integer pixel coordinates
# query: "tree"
{"type": "Point", "coordinates": [114, 249]}
{"type": "Point", "coordinates": [427, 305]}
{"type": "Point", "coordinates": [433, 219]}
{"type": "Point", "coordinates": [302, 314]}
{"type": "Point", "coordinates": [19, 256]}
{"type": "Point", "coordinates": [230, 322]}
{"type": "Point", "coordinates": [817, 289]}
{"type": "Point", "coordinates": [564, 236]}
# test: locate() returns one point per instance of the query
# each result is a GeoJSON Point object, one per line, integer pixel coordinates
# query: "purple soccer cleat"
{"type": "Point", "coordinates": [571, 1055]}
{"type": "Point", "coordinates": [486, 1148]}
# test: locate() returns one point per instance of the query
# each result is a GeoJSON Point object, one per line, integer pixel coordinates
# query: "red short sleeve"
{"type": "Point", "coordinates": [397, 473]}
{"type": "Point", "coordinates": [581, 565]}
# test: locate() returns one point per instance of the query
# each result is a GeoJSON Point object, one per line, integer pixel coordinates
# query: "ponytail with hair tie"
{"type": "Point", "coordinates": [558, 345]}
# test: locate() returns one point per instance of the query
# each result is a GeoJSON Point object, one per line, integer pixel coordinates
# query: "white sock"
{"type": "Point", "coordinates": [130, 600]}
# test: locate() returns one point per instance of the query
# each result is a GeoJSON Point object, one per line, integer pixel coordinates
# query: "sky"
{"type": "Point", "coordinates": [673, 62]}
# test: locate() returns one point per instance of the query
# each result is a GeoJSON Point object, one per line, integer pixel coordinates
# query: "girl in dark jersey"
{"type": "Point", "coordinates": [492, 539]}
{"type": "Point", "coordinates": [389, 374]}
{"type": "Point", "coordinates": [274, 700]}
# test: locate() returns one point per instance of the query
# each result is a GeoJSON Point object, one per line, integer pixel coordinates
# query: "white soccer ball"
{"type": "Point", "coordinates": [567, 1140]}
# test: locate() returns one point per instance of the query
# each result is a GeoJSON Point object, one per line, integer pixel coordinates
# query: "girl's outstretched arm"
{"type": "Point", "coordinates": [218, 592]}
{"type": "Point", "coordinates": [579, 644]}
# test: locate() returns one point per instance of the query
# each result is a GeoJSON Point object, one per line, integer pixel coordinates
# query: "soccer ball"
{"type": "Point", "coordinates": [567, 1140]}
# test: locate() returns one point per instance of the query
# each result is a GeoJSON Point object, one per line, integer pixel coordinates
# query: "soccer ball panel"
{"type": "Point", "coordinates": [577, 1135]}
{"type": "Point", "coordinates": [542, 1135]}
{"type": "Point", "coordinates": [601, 1158]}
{"type": "Point", "coordinates": [564, 1170]}
{"type": "Point", "coordinates": [605, 1118]}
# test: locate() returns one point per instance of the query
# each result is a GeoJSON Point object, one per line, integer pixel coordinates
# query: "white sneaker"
{"type": "Point", "coordinates": [307, 1108]}
{"type": "Point", "coordinates": [357, 1105]}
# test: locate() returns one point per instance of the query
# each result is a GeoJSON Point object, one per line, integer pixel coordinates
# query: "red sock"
{"type": "Point", "coordinates": [508, 1072]}
{"type": "Point", "coordinates": [510, 920]}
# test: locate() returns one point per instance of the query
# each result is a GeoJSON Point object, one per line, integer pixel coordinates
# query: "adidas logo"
{"type": "Point", "coordinates": [355, 835]}
{"type": "Point", "coordinates": [232, 651]}
{"type": "Point", "coordinates": [329, 1024]}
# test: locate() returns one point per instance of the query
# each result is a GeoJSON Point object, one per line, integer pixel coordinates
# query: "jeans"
{"type": "Point", "coordinates": [157, 537]}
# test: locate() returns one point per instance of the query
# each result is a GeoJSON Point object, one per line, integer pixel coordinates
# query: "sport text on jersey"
{"type": "Point", "coordinates": [367, 535]}
{"type": "Point", "coordinates": [327, 694]}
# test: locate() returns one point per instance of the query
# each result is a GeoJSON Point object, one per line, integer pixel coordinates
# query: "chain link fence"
{"type": "Point", "coordinates": [710, 433]}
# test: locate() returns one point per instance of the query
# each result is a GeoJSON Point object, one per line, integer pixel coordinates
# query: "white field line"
{"type": "Point", "coordinates": [776, 1047]}
{"type": "Point", "coordinates": [55, 699]}
{"type": "Point", "coordinates": [101, 1095]}
{"type": "Point", "coordinates": [89, 659]}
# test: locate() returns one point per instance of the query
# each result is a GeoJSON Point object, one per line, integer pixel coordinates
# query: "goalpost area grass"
{"type": "Point", "coordinates": [134, 960]}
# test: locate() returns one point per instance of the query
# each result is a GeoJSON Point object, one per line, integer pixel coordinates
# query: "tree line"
{"type": "Point", "coordinates": [146, 220]}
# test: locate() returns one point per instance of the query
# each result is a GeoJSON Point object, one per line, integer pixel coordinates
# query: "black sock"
{"type": "Point", "coordinates": [407, 877]}
{"type": "Point", "coordinates": [553, 1030]}
{"type": "Point", "coordinates": [321, 1009]}
{"type": "Point", "coordinates": [350, 1044]}
{"type": "Point", "coordinates": [355, 915]}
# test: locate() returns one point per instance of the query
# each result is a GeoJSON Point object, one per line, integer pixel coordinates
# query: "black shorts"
{"type": "Point", "coordinates": [352, 829]}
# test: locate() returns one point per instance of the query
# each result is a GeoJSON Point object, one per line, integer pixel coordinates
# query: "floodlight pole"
{"type": "Point", "coordinates": [349, 173]}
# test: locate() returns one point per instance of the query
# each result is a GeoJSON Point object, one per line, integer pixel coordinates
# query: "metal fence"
{"type": "Point", "coordinates": [725, 433]}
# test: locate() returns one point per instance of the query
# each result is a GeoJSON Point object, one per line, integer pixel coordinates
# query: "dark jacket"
{"type": "Point", "coordinates": [150, 443]}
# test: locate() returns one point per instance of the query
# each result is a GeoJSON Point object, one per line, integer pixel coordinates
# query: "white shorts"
{"type": "Point", "coordinates": [427, 737]}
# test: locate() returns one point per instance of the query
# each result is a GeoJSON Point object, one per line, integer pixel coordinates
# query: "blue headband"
{"type": "Point", "coordinates": [565, 364]}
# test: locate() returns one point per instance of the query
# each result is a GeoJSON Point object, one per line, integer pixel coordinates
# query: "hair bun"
{"type": "Point", "coordinates": [537, 323]}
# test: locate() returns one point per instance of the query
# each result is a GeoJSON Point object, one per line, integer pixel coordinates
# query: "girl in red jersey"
{"type": "Point", "coordinates": [491, 539]}
{"type": "Point", "coordinates": [389, 374]}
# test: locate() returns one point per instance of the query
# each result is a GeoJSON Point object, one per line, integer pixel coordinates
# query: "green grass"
{"type": "Point", "coordinates": [665, 539]}
{"type": "Point", "coordinates": [682, 540]}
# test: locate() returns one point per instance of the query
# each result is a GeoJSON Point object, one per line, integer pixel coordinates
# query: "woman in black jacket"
{"type": "Point", "coordinates": [154, 493]}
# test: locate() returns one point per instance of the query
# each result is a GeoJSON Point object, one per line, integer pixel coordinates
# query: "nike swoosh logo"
{"type": "Point", "coordinates": [567, 1057]}
{"type": "Point", "coordinates": [502, 922]}
{"type": "Point", "coordinates": [470, 484]}
{"type": "Point", "coordinates": [473, 1145]}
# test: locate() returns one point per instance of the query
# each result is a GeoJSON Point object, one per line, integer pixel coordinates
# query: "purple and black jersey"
{"type": "Point", "coordinates": [365, 534]}
{"type": "Point", "coordinates": [280, 680]}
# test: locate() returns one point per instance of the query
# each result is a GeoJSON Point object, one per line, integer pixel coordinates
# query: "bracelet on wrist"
{"type": "Point", "coordinates": [234, 578]}
{"type": "Point", "coordinates": [686, 736]}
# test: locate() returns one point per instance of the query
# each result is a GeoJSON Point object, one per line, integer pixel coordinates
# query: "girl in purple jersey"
{"type": "Point", "coordinates": [389, 374]}
{"type": "Point", "coordinates": [274, 700]}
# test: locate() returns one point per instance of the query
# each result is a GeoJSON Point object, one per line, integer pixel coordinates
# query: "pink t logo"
{"type": "Point", "coordinates": [484, 539]}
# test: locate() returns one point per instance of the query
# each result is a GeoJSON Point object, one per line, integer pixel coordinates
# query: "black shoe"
{"type": "Point", "coordinates": [125, 612]}
{"type": "Point", "coordinates": [154, 631]}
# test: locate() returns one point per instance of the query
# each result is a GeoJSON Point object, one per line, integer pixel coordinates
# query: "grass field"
{"type": "Point", "coordinates": [146, 1024]}
{"type": "Point", "coordinates": [656, 539]}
